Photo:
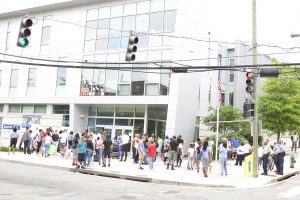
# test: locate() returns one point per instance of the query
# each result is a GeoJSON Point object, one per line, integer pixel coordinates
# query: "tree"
{"type": "Point", "coordinates": [279, 105]}
{"type": "Point", "coordinates": [229, 113]}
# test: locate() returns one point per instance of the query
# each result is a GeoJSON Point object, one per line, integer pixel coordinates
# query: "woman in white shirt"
{"type": "Point", "coordinates": [47, 142]}
{"type": "Point", "coordinates": [240, 155]}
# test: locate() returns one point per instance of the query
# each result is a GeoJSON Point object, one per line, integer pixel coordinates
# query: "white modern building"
{"type": "Point", "coordinates": [96, 32]}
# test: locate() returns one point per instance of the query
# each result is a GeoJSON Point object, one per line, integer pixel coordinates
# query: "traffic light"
{"type": "Point", "coordinates": [24, 32]}
{"type": "Point", "coordinates": [248, 110]}
{"type": "Point", "coordinates": [249, 82]}
{"type": "Point", "coordinates": [132, 47]}
{"type": "Point", "coordinates": [269, 72]}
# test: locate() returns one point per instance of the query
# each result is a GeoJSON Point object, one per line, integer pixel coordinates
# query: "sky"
{"type": "Point", "coordinates": [232, 20]}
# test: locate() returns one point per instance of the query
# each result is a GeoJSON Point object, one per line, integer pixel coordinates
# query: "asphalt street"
{"type": "Point", "coordinates": [25, 182]}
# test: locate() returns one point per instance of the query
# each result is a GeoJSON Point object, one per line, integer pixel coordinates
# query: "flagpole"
{"type": "Point", "coordinates": [217, 131]}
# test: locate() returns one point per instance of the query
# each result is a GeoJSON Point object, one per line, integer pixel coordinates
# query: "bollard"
{"type": "Point", "coordinates": [292, 161]}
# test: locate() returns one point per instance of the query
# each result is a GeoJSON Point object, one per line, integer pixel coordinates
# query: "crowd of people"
{"type": "Point", "coordinates": [87, 147]}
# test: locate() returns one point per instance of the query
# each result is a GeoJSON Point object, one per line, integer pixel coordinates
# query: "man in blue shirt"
{"type": "Point", "coordinates": [235, 143]}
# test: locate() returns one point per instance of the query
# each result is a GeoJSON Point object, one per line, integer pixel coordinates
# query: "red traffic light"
{"type": "Point", "coordinates": [249, 74]}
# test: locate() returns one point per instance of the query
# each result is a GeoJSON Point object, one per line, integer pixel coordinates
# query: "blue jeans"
{"type": "Point", "coordinates": [223, 166]}
{"type": "Point", "coordinates": [100, 156]}
{"type": "Point", "coordinates": [46, 149]}
{"type": "Point", "coordinates": [150, 160]}
{"type": "Point", "coordinates": [88, 157]}
{"type": "Point", "coordinates": [260, 160]}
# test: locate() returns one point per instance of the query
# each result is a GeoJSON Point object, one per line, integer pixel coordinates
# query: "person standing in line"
{"type": "Point", "coordinates": [55, 138]}
{"type": "Point", "coordinates": [172, 152]}
{"type": "Point", "coordinates": [179, 151]}
{"type": "Point", "coordinates": [151, 153]}
{"type": "Point", "coordinates": [223, 158]}
{"type": "Point", "coordinates": [247, 149]}
{"type": "Point", "coordinates": [205, 157]}
{"type": "Point", "coordinates": [235, 143]}
{"type": "Point", "coordinates": [47, 142]}
{"type": "Point", "coordinates": [166, 145]}
{"type": "Point", "coordinates": [107, 150]}
{"type": "Point", "coordinates": [70, 140]}
{"type": "Point", "coordinates": [81, 152]}
{"type": "Point", "coordinates": [240, 155]}
{"type": "Point", "coordinates": [119, 142]}
{"type": "Point", "coordinates": [141, 151]}
{"type": "Point", "coordinates": [146, 143]}
{"type": "Point", "coordinates": [295, 139]}
{"type": "Point", "coordinates": [260, 155]}
{"type": "Point", "coordinates": [136, 153]}
{"type": "Point", "coordinates": [75, 142]}
{"type": "Point", "coordinates": [125, 146]}
{"type": "Point", "coordinates": [191, 152]}
{"type": "Point", "coordinates": [280, 157]}
{"type": "Point", "coordinates": [160, 146]}
{"type": "Point", "coordinates": [39, 140]}
{"type": "Point", "coordinates": [89, 151]}
{"type": "Point", "coordinates": [198, 154]}
{"type": "Point", "coordinates": [266, 152]}
{"type": "Point", "coordinates": [63, 142]}
{"type": "Point", "coordinates": [13, 140]}
{"type": "Point", "coordinates": [99, 149]}
{"type": "Point", "coordinates": [25, 139]}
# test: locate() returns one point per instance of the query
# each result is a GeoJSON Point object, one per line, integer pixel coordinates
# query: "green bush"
{"type": "Point", "coordinates": [3, 148]}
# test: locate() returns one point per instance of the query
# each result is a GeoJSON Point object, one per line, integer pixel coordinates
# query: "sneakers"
{"type": "Point", "coordinates": [140, 168]}
{"type": "Point", "coordinates": [82, 167]}
{"type": "Point", "coordinates": [103, 165]}
{"type": "Point", "coordinates": [108, 165]}
{"type": "Point", "coordinates": [264, 174]}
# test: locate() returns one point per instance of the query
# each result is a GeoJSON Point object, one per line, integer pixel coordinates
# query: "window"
{"type": "Point", "coordinates": [106, 111]}
{"type": "Point", "coordinates": [123, 90]}
{"type": "Point", "coordinates": [139, 111]}
{"type": "Point", "coordinates": [231, 76]}
{"type": "Point", "coordinates": [143, 7]}
{"type": "Point", "coordinates": [89, 45]}
{"type": "Point", "coordinates": [27, 108]}
{"type": "Point", "coordinates": [61, 76]}
{"type": "Point", "coordinates": [65, 111]}
{"type": "Point", "coordinates": [31, 77]}
{"type": "Point", "coordinates": [124, 111]}
{"type": "Point", "coordinates": [45, 35]}
{"type": "Point", "coordinates": [156, 22]}
{"type": "Point", "coordinates": [129, 9]}
{"type": "Point", "coordinates": [40, 109]}
{"type": "Point", "coordinates": [104, 121]}
{"type": "Point", "coordinates": [231, 98]}
{"type": "Point", "coordinates": [7, 41]}
{"type": "Point", "coordinates": [104, 13]}
{"type": "Point", "coordinates": [170, 21]}
{"type": "Point", "coordinates": [152, 89]}
{"type": "Point", "coordinates": [157, 5]}
{"type": "Point", "coordinates": [1, 108]}
{"type": "Point", "coordinates": [103, 28]}
{"type": "Point", "coordinates": [14, 108]}
{"type": "Point", "coordinates": [92, 14]}
{"type": "Point", "coordinates": [137, 82]}
{"type": "Point", "coordinates": [142, 23]}
{"type": "Point", "coordinates": [124, 122]}
{"type": "Point", "coordinates": [91, 30]}
{"type": "Point", "coordinates": [116, 11]}
{"type": "Point", "coordinates": [14, 78]}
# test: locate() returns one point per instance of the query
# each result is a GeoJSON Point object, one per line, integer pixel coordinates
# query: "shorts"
{"type": "Point", "coordinates": [81, 157]}
{"type": "Point", "coordinates": [13, 142]}
{"type": "Point", "coordinates": [106, 154]}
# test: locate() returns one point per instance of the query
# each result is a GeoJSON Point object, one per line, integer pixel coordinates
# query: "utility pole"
{"type": "Point", "coordinates": [255, 118]}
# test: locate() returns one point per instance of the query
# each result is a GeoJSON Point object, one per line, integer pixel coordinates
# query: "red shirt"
{"type": "Point", "coordinates": [151, 151]}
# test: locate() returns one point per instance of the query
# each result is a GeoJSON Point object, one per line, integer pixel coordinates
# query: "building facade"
{"type": "Point", "coordinates": [42, 93]}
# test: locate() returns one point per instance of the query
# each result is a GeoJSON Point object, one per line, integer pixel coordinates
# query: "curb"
{"type": "Point", "coordinates": [140, 178]}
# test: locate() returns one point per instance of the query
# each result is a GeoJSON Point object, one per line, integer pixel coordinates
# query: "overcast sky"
{"type": "Point", "coordinates": [231, 20]}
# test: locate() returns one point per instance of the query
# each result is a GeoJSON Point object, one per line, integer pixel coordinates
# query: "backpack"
{"type": "Point", "coordinates": [55, 137]}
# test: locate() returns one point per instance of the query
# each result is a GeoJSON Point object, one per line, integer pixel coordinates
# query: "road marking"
{"type": "Point", "coordinates": [292, 192]}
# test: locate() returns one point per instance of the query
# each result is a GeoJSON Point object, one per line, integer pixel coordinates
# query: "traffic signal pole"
{"type": "Point", "coordinates": [254, 97]}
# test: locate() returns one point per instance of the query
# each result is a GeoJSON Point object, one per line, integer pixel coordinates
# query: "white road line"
{"type": "Point", "coordinates": [292, 192]}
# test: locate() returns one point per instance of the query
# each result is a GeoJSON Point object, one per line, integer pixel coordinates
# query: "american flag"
{"type": "Point", "coordinates": [220, 88]}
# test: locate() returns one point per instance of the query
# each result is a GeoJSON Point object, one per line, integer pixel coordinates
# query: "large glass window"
{"type": "Point", "coordinates": [129, 9]}
{"type": "Point", "coordinates": [106, 111]}
{"type": "Point", "coordinates": [14, 78]}
{"type": "Point", "coordinates": [231, 76]}
{"type": "Point", "coordinates": [142, 23]}
{"type": "Point", "coordinates": [117, 11]}
{"type": "Point", "coordinates": [14, 108]}
{"type": "Point", "coordinates": [124, 111]}
{"type": "Point", "coordinates": [104, 12]}
{"type": "Point", "coordinates": [65, 111]}
{"type": "Point", "coordinates": [123, 90]}
{"type": "Point", "coordinates": [103, 28]}
{"type": "Point", "coordinates": [91, 30]}
{"type": "Point", "coordinates": [40, 109]}
{"type": "Point", "coordinates": [139, 126]}
{"type": "Point", "coordinates": [92, 111]}
{"type": "Point", "coordinates": [27, 109]}
{"type": "Point", "coordinates": [152, 89]}
{"type": "Point", "coordinates": [157, 5]}
{"type": "Point", "coordinates": [143, 7]}
{"type": "Point", "coordinates": [124, 122]}
{"type": "Point", "coordinates": [137, 81]}
{"type": "Point", "coordinates": [92, 14]}
{"type": "Point", "coordinates": [45, 35]}
{"type": "Point", "coordinates": [170, 21]}
{"type": "Point", "coordinates": [156, 22]}
{"type": "Point", "coordinates": [61, 76]}
{"type": "Point", "coordinates": [104, 121]}
{"type": "Point", "coordinates": [1, 108]}
{"type": "Point", "coordinates": [139, 111]}
{"type": "Point", "coordinates": [31, 77]}
{"type": "Point", "coordinates": [115, 27]}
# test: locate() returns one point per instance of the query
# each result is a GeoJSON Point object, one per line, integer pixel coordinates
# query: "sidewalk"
{"type": "Point", "coordinates": [180, 176]}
